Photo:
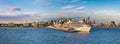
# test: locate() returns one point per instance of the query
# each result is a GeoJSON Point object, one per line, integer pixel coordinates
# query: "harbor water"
{"type": "Point", "coordinates": [50, 36]}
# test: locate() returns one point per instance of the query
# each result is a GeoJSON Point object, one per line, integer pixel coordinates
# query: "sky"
{"type": "Point", "coordinates": [37, 10]}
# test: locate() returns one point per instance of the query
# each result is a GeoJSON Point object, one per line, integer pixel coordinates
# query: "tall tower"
{"type": "Point", "coordinates": [94, 22]}
{"type": "Point", "coordinates": [84, 20]}
{"type": "Point", "coordinates": [88, 20]}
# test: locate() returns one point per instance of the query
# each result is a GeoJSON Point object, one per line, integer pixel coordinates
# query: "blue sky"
{"type": "Point", "coordinates": [35, 10]}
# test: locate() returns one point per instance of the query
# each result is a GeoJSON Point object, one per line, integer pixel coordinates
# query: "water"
{"type": "Point", "coordinates": [50, 36]}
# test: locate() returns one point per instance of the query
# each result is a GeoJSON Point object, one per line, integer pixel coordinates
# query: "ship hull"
{"type": "Point", "coordinates": [81, 29]}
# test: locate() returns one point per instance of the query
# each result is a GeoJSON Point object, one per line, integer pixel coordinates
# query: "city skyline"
{"type": "Point", "coordinates": [35, 10]}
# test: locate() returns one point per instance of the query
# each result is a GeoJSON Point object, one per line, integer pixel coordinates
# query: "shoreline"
{"type": "Point", "coordinates": [48, 27]}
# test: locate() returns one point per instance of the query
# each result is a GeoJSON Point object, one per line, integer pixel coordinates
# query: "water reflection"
{"type": "Point", "coordinates": [50, 36]}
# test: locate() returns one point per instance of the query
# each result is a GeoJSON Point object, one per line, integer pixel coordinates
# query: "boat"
{"type": "Point", "coordinates": [78, 27]}
{"type": "Point", "coordinates": [72, 27]}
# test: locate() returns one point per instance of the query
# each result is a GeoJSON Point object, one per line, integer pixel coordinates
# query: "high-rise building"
{"type": "Point", "coordinates": [88, 20]}
{"type": "Point", "coordinates": [81, 21]}
{"type": "Point", "coordinates": [11, 24]}
{"type": "Point", "coordinates": [42, 23]}
{"type": "Point", "coordinates": [26, 24]}
{"type": "Point", "coordinates": [34, 24]}
{"type": "Point", "coordinates": [84, 20]}
{"type": "Point", "coordinates": [94, 22]}
{"type": "Point", "coordinates": [114, 24]}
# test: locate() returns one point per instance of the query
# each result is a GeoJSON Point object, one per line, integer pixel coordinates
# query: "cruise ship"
{"type": "Point", "coordinates": [71, 26]}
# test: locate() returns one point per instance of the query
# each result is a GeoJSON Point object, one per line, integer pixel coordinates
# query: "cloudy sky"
{"type": "Point", "coordinates": [36, 10]}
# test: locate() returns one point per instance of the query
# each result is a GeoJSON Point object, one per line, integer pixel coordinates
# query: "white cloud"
{"type": "Point", "coordinates": [20, 17]}
{"type": "Point", "coordinates": [72, 9]}
{"type": "Point", "coordinates": [16, 13]}
{"type": "Point", "coordinates": [67, 7]}
{"type": "Point", "coordinates": [99, 16]}
{"type": "Point", "coordinates": [79, 8]}
{"type": "Point", "coordinates": [1, 10]}
{"type": "Point", "coordinates": [106, 12]}
{"type": "Point", "coordinates": [105, 15]}
{"type": "Point", "coordinates": [7, 14]}
{"type": "Point", "coordinates": [12, 9]}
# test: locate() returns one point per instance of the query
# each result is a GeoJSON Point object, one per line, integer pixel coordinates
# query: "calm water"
{"type": "Point", "coordinates": [49, 36]}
